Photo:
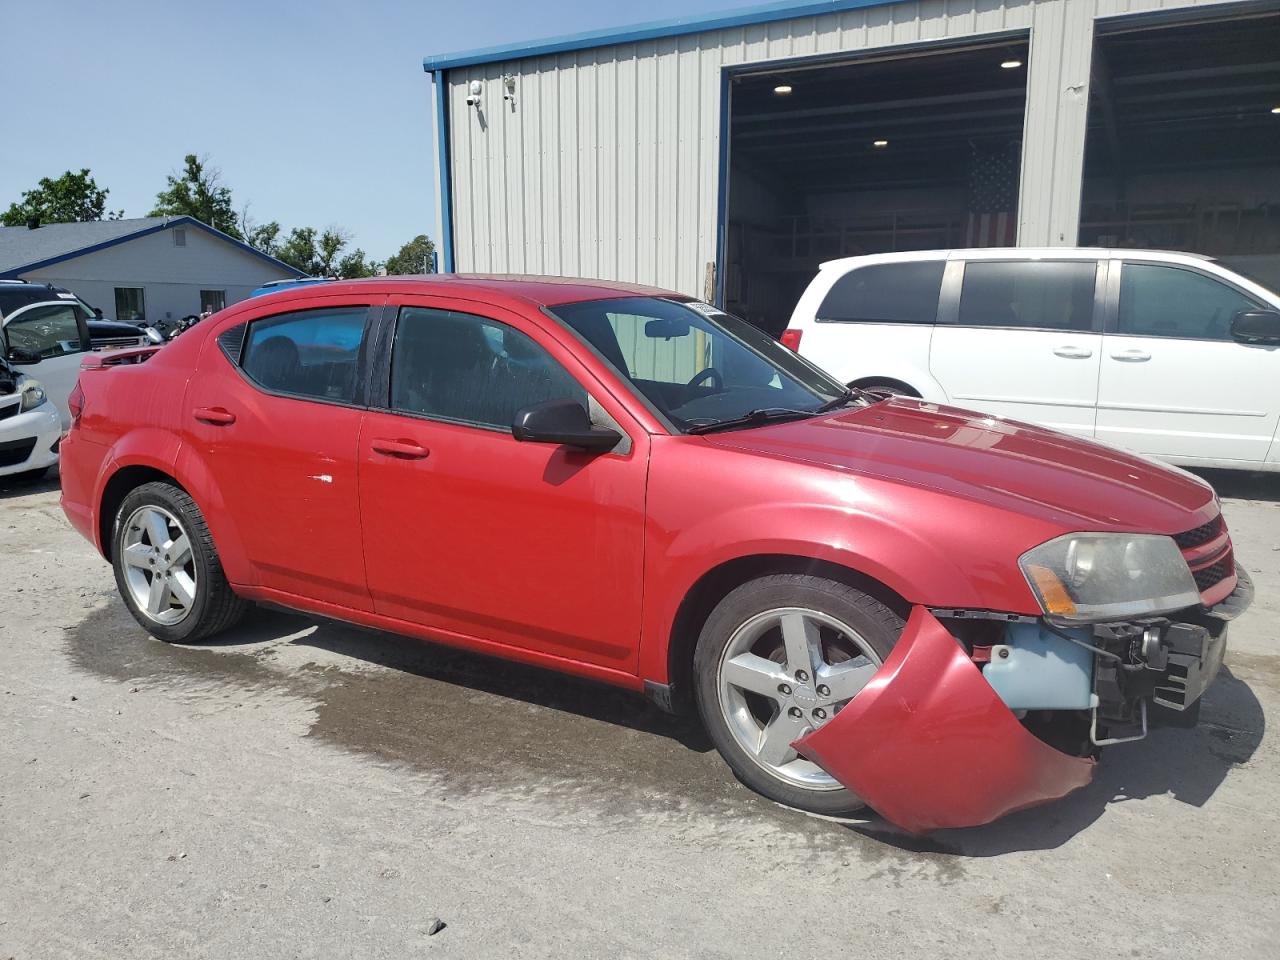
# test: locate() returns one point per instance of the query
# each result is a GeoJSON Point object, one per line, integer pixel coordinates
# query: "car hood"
{"type": "Point", "coordinates": [1076, 483]}
{"type": "Point", "coordinates": [113, 328]}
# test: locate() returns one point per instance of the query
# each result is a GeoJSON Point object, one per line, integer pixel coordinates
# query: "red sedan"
{"type": "Point", "coordinates": [881, 601]}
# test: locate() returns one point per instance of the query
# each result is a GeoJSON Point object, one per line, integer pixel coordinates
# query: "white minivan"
{"type": "Point", "coordinates": [1168, 354]}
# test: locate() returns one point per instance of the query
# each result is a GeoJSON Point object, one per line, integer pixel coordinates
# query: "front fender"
{"type": "Point", "coordinates": [928, 744]}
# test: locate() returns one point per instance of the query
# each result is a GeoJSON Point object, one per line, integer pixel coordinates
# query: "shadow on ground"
{"type": "Point", "coordinates": [472, 723]}
{"type": "Point", "coordinates": [17, 486]}
{"type": "Point", "coordinates": [1242, 485]}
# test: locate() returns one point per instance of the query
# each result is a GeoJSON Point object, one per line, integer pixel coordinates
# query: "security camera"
{"type": "Point", "coordinates": [474, 91]}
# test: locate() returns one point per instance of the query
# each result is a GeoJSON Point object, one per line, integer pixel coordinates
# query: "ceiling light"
{"type": "Point", "coordinates": [1275, 109]}
{"type": "Point", "coordinates": [782, 89]}
{"type": "Point", "coordinates": [1010, 64]}
{"type": "Point", "coordinates": [879, 143]}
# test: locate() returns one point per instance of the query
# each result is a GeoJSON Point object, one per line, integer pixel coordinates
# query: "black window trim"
{"type": "Point", "coordinates": [380, 385]}
{"type": "Point", "coordinates": [956, 291]}
{"type": "Point", "coordinates": [1112, 325]}
{"type": "Point", "coordinates": [358, 402]}
{"type": "Point", "coordinates": [937, 313]}
{"type": "Point", "coordinates": [82, 325]}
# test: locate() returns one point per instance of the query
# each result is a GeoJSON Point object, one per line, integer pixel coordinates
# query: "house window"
{"type": "Point", "coordinates": [212, 300]}
{"type": "Point", "coordinates": [129, 305]}
{"type": "Point", "coordinates": [179, 237]}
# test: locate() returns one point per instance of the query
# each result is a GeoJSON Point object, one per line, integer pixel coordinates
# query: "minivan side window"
{"type": "Point", "coordinates": [1168, 301]}
{"type": "Point", "coordinates": [456, 366]}
{"type": "Point", "coordinates": [886, 293]}
{"type": "Point", "coordinates": [1028, 294]}
{"type": "Point", "coordinates": [311, 353]}
{"type": "Point", "coordinates": [50, 331]}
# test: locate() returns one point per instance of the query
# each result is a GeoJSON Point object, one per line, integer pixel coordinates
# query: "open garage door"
{"type": "Point", "coordinates": [911, 152]}
{"type": "Point", "coordinates": [1183, 150]}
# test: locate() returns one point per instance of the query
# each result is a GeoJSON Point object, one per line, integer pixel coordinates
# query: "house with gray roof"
{"type": "Point", "coordinates": [142, 270]}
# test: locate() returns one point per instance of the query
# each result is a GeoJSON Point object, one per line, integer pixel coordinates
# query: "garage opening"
{"type": "Point", "coordinates": [1183, 149]}
{"type": "Point", "coordinates": [912, 152]}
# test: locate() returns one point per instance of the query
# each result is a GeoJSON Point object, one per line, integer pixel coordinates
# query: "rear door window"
{"type": "Point", "coordinates": [312, 354]}
{"type": "Point", "coordinates": [886, 293]}
{"type": "Point", "coordinates": [1029, 294]}
{"type": "Point", "coordinates": [1168, 301]}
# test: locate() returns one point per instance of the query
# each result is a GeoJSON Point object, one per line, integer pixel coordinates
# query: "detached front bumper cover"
{"type": "Point", "coordinates": [928, 744]}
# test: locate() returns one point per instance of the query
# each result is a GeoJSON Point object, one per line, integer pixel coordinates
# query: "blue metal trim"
{"type": "Point", "coordinates": [722, 205]}
{"type": "Point", "coordinates": [145, 231]}
{"type": "Point", "coordinates": [442, 159]}
{"type": "Point", "coordinates": [674, 27]}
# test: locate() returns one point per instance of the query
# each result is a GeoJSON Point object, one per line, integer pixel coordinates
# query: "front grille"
{"type": "Point", "coordinates": [1200, 535]}
{"type": "Point", "coordinates": [15, 452]}
{"type": "Point", "coordinates": [1214, 574]}
{"type": "Point", "coordinates": [10, 410]}
{"type": "Point", "coordinates": [116, 343]}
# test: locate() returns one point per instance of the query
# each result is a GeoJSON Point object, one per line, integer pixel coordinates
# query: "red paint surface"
{"type": "Point", "coordinates": [928, 744]}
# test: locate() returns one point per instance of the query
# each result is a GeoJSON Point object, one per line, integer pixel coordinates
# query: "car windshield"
{"type": "Point", "coordinates": [698, 367]}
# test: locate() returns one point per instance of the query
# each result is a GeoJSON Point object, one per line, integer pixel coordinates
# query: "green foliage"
{"type": "Point", "coordinates": [71, 198]}
{"type": "Point", "coordinates": [320, 254]}
{"type": "Point", "coordinates": [198, 191]}
{"type": "Point", "coordinates": [416, 256]}
{"type": "Point", "coordinates": [262, 236]}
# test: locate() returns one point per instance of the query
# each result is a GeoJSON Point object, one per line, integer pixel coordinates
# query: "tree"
{"type": "Point", "coordinates": [198, 191]}
{"type": "Point", "coordinates": [320, 253]}
{"type": "Point", "coordinates": [264, 237]}
{"type": "Point", "coordinates": [71, 198]}
{"type": "Point", "coordinates": [416, 256]}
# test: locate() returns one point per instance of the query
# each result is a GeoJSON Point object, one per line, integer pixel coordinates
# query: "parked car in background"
{"type": "Point", "coordinates": [30, 428]}
{"type": "Point", "coordinates": [276, 286]}
{"type": "Point", "coordinates": [933, 612]}
{"type": "Point", "coordinates": [1168, 354]}
{"type": "Point", "coordinates": [104, 334]}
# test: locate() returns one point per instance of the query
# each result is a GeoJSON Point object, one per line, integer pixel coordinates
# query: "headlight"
{"type": "Point", "coordinates": [32, 395]}
{"type": "Point", "coordinates": [1109, 576]}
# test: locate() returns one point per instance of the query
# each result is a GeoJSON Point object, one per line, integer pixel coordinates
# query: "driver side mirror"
{"type": "Point", "coordinates": [565, 422]}
{"type": "Point", "coordinates": [1256, 326]}
{"type": "Point", "coordinates": [20, 355]}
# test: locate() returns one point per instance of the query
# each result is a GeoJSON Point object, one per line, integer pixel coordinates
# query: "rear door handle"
{"type": "Point", "coordinates": [1073, 353]}
{"type": "Point", "coordinates": [1131, 356]}
{"type": "Point", "coordinates": [216, 415]}
{"type": "Point", "coordinates": [401, 449]}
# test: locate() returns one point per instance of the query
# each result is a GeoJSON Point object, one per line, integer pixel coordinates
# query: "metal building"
{"type": "Point", "coordinates": [725, 157]}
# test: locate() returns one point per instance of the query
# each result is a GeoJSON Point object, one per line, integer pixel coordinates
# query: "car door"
{"type": "Point", "coordinates": [58, 334]}
{"type": "Point", "coordinates": [1174, 382]}
{"type": "Point", "coordinates": [274, 413]}
{"type": "Point", "coordinates": [1022, 339]}
{"type": "Point", "coordinates": [473, 533]}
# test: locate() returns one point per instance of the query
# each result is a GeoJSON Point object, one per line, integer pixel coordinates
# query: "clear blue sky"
{"type": "Point", "coordinates": [316, 112]}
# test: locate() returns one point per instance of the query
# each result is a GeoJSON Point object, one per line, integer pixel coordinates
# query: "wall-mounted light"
{"type": "Point", "coordinates": [879, 143]}
{"type": "Point", "coordinates": [1010, 64]}
{"type": "Point", "coordinates": [474, 90]}
{"type": "Point", "coordinates": [782, 89]}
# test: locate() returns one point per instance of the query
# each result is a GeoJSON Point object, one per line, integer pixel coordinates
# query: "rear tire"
{"type": "Point", "coordinates": [167, 568]}
{"type": "Point", "coordinates": [884, 389]}
{"type": "Point", "coordinates": [778, 657]}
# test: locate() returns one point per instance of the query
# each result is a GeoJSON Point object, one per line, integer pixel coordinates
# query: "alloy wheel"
{"type": "Point", "coordinates": [159, 567]}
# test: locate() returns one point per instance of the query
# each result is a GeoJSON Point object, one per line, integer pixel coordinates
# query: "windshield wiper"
{"type": "Point", "coordinates": [850, 394]}
{"type": "Point", "coordinates": [752, 418]}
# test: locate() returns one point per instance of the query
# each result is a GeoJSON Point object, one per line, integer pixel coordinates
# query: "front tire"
{"type": "Point", "coordinates": [167, 568]}
{"type": "Point", "coordinates": [780, 656]}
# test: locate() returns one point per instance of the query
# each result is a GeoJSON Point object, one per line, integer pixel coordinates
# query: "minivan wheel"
{"type": "Point", "coordinates": [167, 568]}
{"type": "Point", "coordinates": [778, 657]}
{"type": "Point", "coordinates": [883, 389]}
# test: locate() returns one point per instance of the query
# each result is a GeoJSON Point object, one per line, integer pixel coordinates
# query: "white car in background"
{"type": "Point", "coordinates": [30, 427]}
{"type": "Point", "coordinates": [1168, 354]}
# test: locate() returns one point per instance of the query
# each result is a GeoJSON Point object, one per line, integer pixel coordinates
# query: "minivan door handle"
{"type": "Point", "coordinates": [1073, 353]}
{"type": "Point", "coordinates": [1131, 356]}
{"type": "Point", "coordinates": [400, 449]}
{"type": "Point", "coordinates": [217, 416]}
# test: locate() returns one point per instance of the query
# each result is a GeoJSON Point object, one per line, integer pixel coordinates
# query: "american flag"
{"type": "Point", "coordinates": [993, 196]}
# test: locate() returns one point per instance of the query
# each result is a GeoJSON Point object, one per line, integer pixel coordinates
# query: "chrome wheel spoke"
{"type": "Point", "coordinates": [802, 642]}
{"type": "Point", "coordinates": [179, 552]}
{"type": "Point", "coordinates": [138, 555]}
{"type": "Point", "coordinates": [183, 590]}
{"type": "Point", "coordinates": [157, 528]}
{"type": "Point", "coordinates": [158, 596]}
{"type": "Point", "coordinates": [844, 680]}
{"type": "Point", "coordinates": [755, 674]}
{"type": "Point", "coordinates": [776, 738]}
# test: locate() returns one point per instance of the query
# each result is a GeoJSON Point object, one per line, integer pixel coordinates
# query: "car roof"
{"type": "Point", "coordinates": [1019, 253]}
{"type": "Point", "coordinates": [534, 290]}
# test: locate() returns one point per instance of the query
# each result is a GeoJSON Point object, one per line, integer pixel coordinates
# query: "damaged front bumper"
{"type": "Point", "coordinates": [931, 742]}
{"type": "Point", "coordinates": [928, 743]}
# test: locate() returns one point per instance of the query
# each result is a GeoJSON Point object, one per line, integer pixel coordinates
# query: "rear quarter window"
{"type": "Point", "coordinates": [886, 293]}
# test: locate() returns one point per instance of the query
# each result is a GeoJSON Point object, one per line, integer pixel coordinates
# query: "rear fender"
{"type": "Point", "coordinates": [928, 744]}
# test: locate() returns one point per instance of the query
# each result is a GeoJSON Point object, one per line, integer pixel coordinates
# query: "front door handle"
{"type": "Point", "coordinates": [400, 449]}
{"type": "Point", "coordinates": [1131, 356]}
{"type": "Point", "coordinates": [1073, 353]}
{"type": "Point", "coordinates": [218, 416]}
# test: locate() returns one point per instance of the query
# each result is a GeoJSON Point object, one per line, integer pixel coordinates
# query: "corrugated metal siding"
{"type": "Point", "coordinates": [607, 165]}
